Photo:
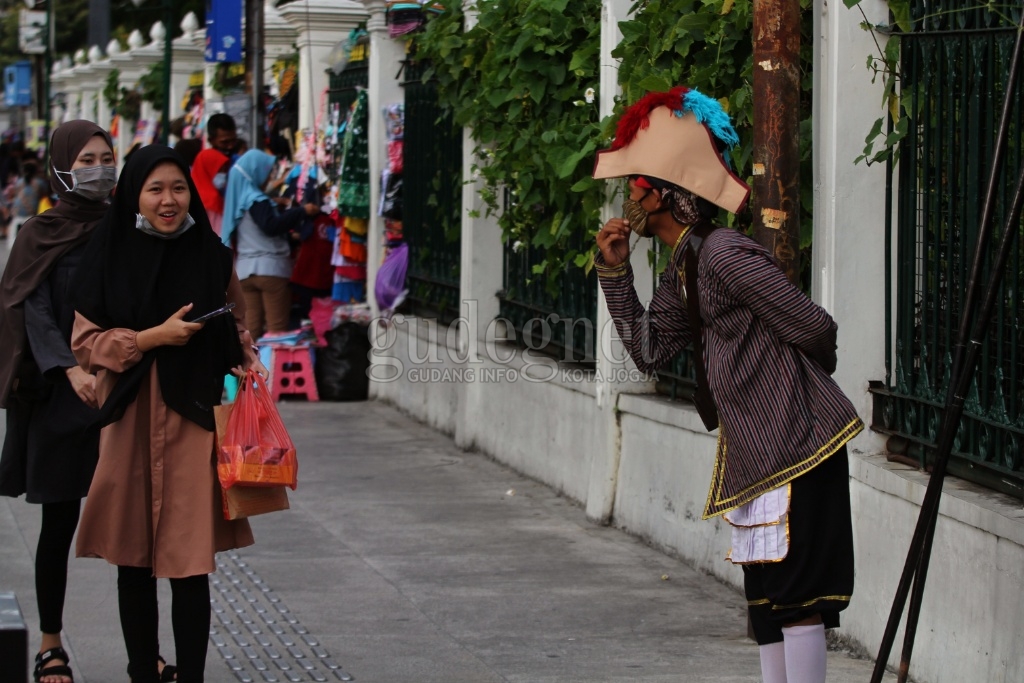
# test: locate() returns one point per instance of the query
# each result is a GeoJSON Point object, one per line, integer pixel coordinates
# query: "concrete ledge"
{"type": "Point", "coordinates": [963, 501]}
{"type": "Point", "coordinates": [663, 410]}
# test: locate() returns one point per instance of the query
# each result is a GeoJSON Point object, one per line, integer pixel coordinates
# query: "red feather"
{"type": "Point", "coordinates": [637, 117]}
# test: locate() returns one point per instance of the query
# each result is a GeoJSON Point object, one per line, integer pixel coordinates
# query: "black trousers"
{"type": "Point", "coordinates": [190, 619]}
{"type": "Point", "coordinates": [816, 578]}
{"type": "Point", "coordinates": [59, 523]}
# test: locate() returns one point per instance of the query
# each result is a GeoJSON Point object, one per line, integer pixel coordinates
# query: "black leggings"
{"type": "Point", "coordinates": [190, 618]}
{"type": "Point", "coordinates": [59, 523]}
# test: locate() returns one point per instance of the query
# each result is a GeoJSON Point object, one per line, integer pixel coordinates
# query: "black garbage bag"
{"type": "Point", "coordinates": [392, 207]}
{"type": "Point", "coordinates": [341, 365]}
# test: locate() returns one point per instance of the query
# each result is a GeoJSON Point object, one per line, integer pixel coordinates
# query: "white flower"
{"type": "Point", "coordinates": [589, 95]}
{"type": "Point", "coordinates": [517, 246]}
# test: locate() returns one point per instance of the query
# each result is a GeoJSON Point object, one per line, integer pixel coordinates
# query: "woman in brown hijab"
{"type": "Point", "coordinates": [53, 429]}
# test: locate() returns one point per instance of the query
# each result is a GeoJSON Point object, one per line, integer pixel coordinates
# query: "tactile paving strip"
{"type": "Point", "coordinates": [256, 634]}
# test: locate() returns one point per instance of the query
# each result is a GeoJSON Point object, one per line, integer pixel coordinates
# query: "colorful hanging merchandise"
{"type": "Point", "coordinates": [409, 16]}
{"type": "Point", "coordinates": [354, 179]}
{"type": "Point", "coordinates": [353, 203]}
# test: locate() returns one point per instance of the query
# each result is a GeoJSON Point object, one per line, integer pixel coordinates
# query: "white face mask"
{"type": "Point", "coordinates": [142, 223]}
{"type": "Point", "coordinates": [94, 183]}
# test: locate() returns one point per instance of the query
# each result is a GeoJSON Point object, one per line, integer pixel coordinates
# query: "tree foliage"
{"type": "Point", "coordinates": [520, 79]}
{"type": "Point", "coordinates": [71, 26]}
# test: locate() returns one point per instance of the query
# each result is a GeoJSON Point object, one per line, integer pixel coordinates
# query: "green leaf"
{"type": "Point", "coordinates": [582, 58]}
{"type": "Point", "coordinates": [497, 97]}
{"type": "Point", "coordinates": [583, 184]}
{"type": "Point", "coordinates": [632, 31]}
{"type": "Point", "coordinates": [655, 83]}
{"type": "Point", "coordinates": [568, 166]}
{"type": "Point", "coordinates": [901, 13]}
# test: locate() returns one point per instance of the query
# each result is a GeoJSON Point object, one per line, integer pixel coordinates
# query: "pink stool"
{"type": "Point", "coordinates": [293, 372]}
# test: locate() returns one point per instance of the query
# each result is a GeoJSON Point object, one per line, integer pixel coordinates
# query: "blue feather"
{"type": "Point", "coordinates": [708, 111]}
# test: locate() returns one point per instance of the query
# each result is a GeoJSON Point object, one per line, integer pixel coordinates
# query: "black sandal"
{"type": "Point", "coordinates": [169, 672]}
{"type": "Point", "coordinates": [44, 658]}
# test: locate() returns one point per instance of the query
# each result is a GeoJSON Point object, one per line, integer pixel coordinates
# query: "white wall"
{"type": "Point", "coordinates": [643, 462]}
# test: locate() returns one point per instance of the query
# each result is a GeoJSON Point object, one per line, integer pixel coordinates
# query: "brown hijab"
{"type": "Point", "coordinates": [42, 241]}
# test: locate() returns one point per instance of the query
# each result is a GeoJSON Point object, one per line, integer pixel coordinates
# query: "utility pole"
{"type": "Point", "coordinates": [254, 38]}
{"type": "Point", "coordinates": [777, 131]}
{"type": "Point", "coordinates": [51, 46]}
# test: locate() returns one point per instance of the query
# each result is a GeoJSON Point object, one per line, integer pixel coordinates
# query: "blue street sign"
{"type": "Point", "coordinates": [18, 84]}
{"type": "Point", "coordinates": [223, 31]}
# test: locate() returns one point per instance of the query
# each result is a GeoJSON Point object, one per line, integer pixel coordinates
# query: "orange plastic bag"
{"type": "Point", "coordinates": [256, 450]}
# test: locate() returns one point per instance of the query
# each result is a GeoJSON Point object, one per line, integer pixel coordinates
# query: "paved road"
{"type": "Point", "coordinates": [405, 560]}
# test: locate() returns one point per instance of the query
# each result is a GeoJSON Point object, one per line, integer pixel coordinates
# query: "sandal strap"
{"type": "Point", "coordinates": [62, 670]}
{"type": "Point", "coordinates": [53, 653]}
{"type": "Point", "coordinates": [42, 671]}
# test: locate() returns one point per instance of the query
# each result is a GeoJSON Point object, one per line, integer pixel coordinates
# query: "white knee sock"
{"type": "Point", "coordinates": [805, 653]}
{"type": "Point", "coordinates": [773, 663]}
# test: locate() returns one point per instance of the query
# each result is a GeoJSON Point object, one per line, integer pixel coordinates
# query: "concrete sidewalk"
{"type": "Point", "coordinates": [404, 559]}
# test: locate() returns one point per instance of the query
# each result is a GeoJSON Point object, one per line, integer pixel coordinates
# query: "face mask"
{"type": "Point", "coordinates": [94, 183]}
{"type": "Point", "coordinates": [143, 224]}
{"type": "Point", "coordinates": [636, 215]}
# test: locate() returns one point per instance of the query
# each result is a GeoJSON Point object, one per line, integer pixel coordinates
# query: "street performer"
{"type": "Point", "coordinates": [764, 354]}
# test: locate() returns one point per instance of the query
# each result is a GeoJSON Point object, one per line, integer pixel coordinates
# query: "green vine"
{"type": "Point", "coordinates": [112, 89]}
{"type": "Point", "coordinates": [129, 108]}
{"type": "Point", "coordinates": [524, 78]}
{"type": "Point", "coordinates": [707, 45]}
{"type": "Point", "coordinates": [124, 102]}
{"type": "Point", "coordinates": [151, 86]}
{"type": "Point", "coordinates": [885, 65]}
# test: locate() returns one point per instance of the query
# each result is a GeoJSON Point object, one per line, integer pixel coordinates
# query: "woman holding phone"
{"type": "Point", "coordinates": [156, 511]}
{"type": "Point", "coordinates": [53, 429]}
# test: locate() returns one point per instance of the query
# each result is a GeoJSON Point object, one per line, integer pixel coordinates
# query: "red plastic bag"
{"type": "Point", "coordinates": [256, 450]}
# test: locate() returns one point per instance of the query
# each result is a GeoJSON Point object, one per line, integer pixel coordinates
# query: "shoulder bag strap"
{"type": "Point", "coordinates": [703, 399]}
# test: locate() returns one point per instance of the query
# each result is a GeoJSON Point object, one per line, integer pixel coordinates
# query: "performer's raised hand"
{"type": "Point", "coordinates": [613, 241]}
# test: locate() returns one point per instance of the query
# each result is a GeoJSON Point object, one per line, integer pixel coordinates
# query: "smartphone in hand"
{"type": "Point", "coordinates": [223, 310]}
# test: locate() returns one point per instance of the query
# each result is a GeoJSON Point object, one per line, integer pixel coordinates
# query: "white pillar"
{"type": "Point", "coordinates": [480, 279]}
{"type": "Point", "coordinates": [212, 100]}
{"type": "Point", "coordinates": [386, 56]}
{"type": "Point", "coordinates": [58, 88]}
{"type": "Point", "coordinates": [186, 59]}
{"type": "Point", "coordinates": [130, 64]}
{"type": "Point", "coordinates": [849, 249]}
{"type": "Point", "coordinates": [611, 355]}
{"type": "Point", "coordinates": [320, 24]}
{"type": "Point", "coordinates": [480, 275]}
{"type": "Point", "coordinates": [278, 38]}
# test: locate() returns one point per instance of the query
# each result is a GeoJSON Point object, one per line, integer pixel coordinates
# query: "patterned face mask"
{"type": "Point", "coordinates": [636, 215]}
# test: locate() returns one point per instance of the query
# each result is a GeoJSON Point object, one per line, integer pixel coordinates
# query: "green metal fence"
{"type": "Point", "coordinates": [954, 67]}
{"type": "Point", "coordinates": [564, 325]}
{"type": "Point", "coordinates": [342, 88]}
{"type": "Point", "coordinates": [431, 198]}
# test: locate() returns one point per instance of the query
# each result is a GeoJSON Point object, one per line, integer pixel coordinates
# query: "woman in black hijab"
{"type": "Point", "coordinates": [155, 506]}
{"type": "Point", "coordinates": [53, 429]}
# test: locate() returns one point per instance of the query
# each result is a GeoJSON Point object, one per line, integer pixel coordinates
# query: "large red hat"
{"type": "Point", "coordinates": [675, 136]}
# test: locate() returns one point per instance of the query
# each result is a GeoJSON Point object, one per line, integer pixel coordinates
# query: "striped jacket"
{"type": "Point", "coordinates": [769, 352]}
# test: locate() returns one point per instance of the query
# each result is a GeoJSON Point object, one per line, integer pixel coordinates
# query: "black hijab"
{"type": "Point", "coordinates": [41, 243]}
{"type": "Point", "coordinates": [137, 281]}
